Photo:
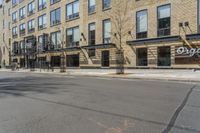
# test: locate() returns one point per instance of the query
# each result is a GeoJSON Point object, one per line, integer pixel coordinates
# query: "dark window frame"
{"type": "Point", "coordinates": [91, 9]}
{"type": "Point", "coordinates": [73, 15]}
{"type": "Point", "coordinates": [43, 26]}
{"type": "Point", "coordinates": [89, 34]}
{"type": "Point", "coordinates": [55, 22]}
{"type": "Point", "coordinates": [73, 43]}
{"type": "Point", "coordinates": [106, 7]}
{"type": "Point", "coordinates": [104, 31]}
{"type": "Point", "coordinates": [30, 12]}
{"type": "Point", "coordinates": [140, 35]}
{"type": "Point", "coordinates": [42, 6]}
{"type": "Point", "coordinates": [56, 46]}
{"type": "Point", "coordinates": [159, 30]}
{"type": "Point", "coordinates": [54, 1]}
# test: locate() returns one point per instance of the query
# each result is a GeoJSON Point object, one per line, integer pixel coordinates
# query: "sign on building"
{"type": "Point", "coordinates": [187, 55]}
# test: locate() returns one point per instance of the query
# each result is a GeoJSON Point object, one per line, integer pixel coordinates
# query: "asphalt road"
{"type": "Point", "coordinates": [44, 103]}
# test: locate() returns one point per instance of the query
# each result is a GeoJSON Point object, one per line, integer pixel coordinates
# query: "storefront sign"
{"type": "Point", "coordinates": [187, 55]}
{"type": "Point", "coordinates": [188, 51]}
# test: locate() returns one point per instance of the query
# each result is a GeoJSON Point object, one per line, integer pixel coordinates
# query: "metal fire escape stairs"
{"type": "Point", "coordinates": [85, 52]}
{"type": "Point", "coordinates": [183, 33]}
{"type": "Point", "coordinates": [86, 55]}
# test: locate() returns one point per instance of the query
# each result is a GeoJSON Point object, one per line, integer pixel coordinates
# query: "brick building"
{"type": "Point", "coordinates": [5, 36]}
{"type": "Point", "coordinates": [87, 33]}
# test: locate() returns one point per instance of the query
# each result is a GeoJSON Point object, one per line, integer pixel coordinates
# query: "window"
{"type": "Point", "coordinates": [42, 4]}
{"type": "Point", "coordinates": [55, 17]}
{"type": "Point", "coordinates": [164, 18]}
{"type": "Point", "coordinates": [42, 22]}
{"type": "Point", "coordinates": [22, 29]}
{"type": "Point", "coordinates": [55, 61]}
{"type": "Point", "coordinates": [72, 10]}
{"type": "Point", "coordinates": [107, 31]}
{"type": "Point", "coordinates": [14, 17]}
{"type": "Point", "coordinates": [54, 1]}
{"type": "Point", "coordinates": [1, 1]}
{"type": "Point", "coordinates": [91, 6]}
{"type": "Point", "coordinates": [14, 32]}
{"type": "Point", "coordinates": [40, 43]}
{"type": "Point", "coordinates": [141, 24]}
{"type": "Point", "coordinates": [22, 13]}
{"type": "Point", "coordinates": [20, 1]}
{"type": "Point", "coordinates": [14, 2]}
{"type": "Point", "coordinates": [9, 25]}
{"type": "Point", "coordinates": [31, 7]}
{"type": "Point", "coordinates": [43, 42]}
{"type": "Point", "coordinates": [31, 26]}
{"type": "Point", "coordinates": [142, 57]}
{"type": "Point", "coordinates": [106, 4]}
{"type": "Point", "coordinates": [15, 48]}
{"type": "Point", "coordinates": [73, 37]}
{"type": "Point", "coordinates": [91, 52]}
{"type": "Point", "coordinates": [55, 40]}
{"type": "Point", "coordinates": [21, 47]}
{"type": "Point", "coordinates": [92, 34]}
{"type": "Point", "coordinates": [8, 11]}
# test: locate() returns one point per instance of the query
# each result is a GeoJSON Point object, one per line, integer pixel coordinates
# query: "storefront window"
{"type": "Point", "coordinates": [164, 56]}
{"type": "Point", "coordinates": [73, 60]}
{"type": "Point", "coordinates": [142, 57]}
{"type": "Point", "coordinates": [55, 61]}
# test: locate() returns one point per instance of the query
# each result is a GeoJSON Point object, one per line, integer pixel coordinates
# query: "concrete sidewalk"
{"type": "Point", "coordinates": [149, 74]}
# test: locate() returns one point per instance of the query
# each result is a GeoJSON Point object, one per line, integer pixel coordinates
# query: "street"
{"type": "Point", "coordinates": [50, 103]}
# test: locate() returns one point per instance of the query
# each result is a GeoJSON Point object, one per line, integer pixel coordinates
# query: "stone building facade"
{"type": "Point", "coordinates": [87, 33]}
{"type": "Point", "coordinates": [5, 35]}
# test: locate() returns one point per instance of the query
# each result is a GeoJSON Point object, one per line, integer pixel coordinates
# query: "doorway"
{"type": "Point", "coordinates": [105, 62]}
{"type": "Point", "coordinates": [164, 56]}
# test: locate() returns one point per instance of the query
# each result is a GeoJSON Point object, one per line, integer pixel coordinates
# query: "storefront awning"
{"type": "Point", "coordinates": [96, 46]}
{"type": "Point", "coordinates": [154, 40]}
{"type": "Point", "coordinates": [193, 37]}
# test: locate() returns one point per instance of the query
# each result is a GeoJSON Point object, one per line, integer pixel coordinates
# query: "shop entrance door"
{"type": "Point", "coordinates": [164, 56]}
{"type": "Point", "coordinates": [105, 58]}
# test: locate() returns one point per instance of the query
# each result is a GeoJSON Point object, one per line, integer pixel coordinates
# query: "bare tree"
{"type": "Point", "coordinates": [121, 16]}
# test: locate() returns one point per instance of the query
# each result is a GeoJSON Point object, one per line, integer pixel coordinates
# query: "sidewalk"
{"type": "Point", "coordinates": [148, 74]}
